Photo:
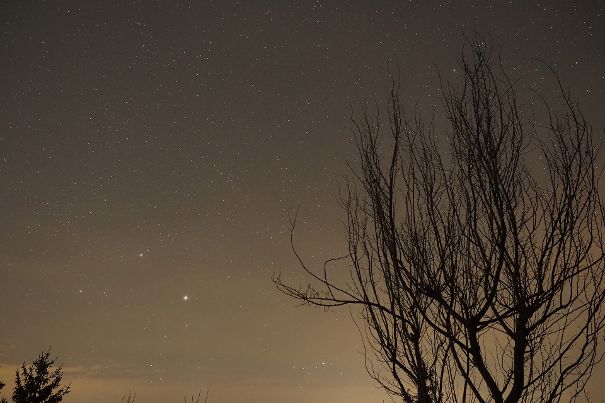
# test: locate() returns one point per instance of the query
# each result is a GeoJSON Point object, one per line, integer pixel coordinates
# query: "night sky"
{"type": "Point", "coordinates": [152, 153]}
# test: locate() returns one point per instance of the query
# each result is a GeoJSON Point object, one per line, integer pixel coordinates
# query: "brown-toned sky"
{"type": "Point", "coordinates": [151, 153]}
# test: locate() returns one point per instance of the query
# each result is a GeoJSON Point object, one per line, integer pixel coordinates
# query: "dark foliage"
{"type": "Point", "coordinates": [40, 382]}
{"type": "Point", "coordinates": [2, 400]}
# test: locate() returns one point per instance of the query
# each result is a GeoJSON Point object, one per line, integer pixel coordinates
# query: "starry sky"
{"type": "Point", "coordinates": [152, 153]}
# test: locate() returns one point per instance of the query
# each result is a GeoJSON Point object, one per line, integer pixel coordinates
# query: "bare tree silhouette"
{"type": "Point", "coordinates": [198, 398]}
{"type": "Point", "coordinates": [131, 397]}
{"type": "Point", "coordinates": [478, 266]}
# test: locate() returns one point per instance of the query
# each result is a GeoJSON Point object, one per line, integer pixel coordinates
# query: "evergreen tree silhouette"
{"type": "Point", "coordinates": [40, 383]}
